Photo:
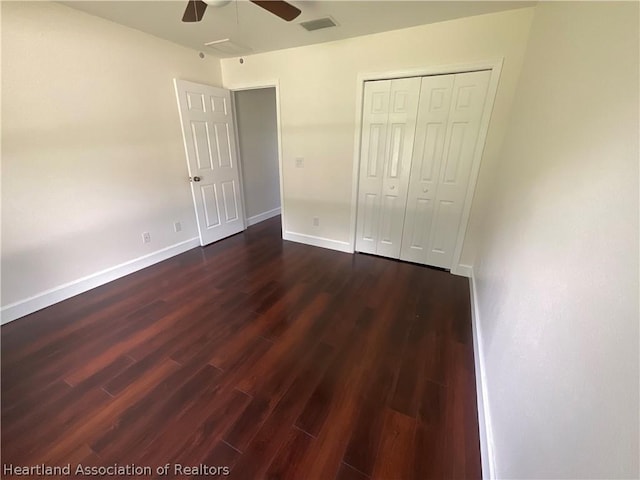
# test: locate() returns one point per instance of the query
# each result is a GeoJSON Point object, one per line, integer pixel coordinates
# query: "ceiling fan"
{"type": "Point", "coordinates": [196, 8]}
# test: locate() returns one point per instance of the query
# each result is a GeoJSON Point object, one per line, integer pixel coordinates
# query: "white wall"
{"type": "Point", "coordinates": [318, 104]}
{"type": "Point", "coordinates": [92, 151]}
{"type": "Point", "coordinates": [258, 139]}
{"type": "Point", "coordinates": [557, 270]}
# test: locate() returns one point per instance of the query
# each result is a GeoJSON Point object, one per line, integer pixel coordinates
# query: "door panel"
{"type": "Point", "coordinates": [200, 136]}
{"type": "Point", "coordinates": [210, 203]}
{"type": "Point", "coordinates": [224, 143]}
{"type": "Point", "coordinates": [369, 232]}
{"type": "Point", "coordinates": [219, 103]}
{"type": "Point", "coordinates": [467, 106]}
{"type": "Point", "coordinates": [375, 149]}
{"type": "Point", "coordinates": [403, 110]}
{"type": "Point", "coordinates": [420, 229]}
{"type": "Point", "coordinates": [431, 152]}
{"type": "Point", "coordinates": [375, 116]}
{"type": "Point", "coordinates": [229, 196]}
{"type": "Point", "coordinates": [209, 137]}
{"type": "Point", "coordinates": [195, 101]}
{"type": "Point", "coordinates": [388, 120]}
{"type": "Point", "coordinates": [431, 126]}
{"type": "Point", "coordinates": [389, 207]}
{"type": "Point", "coordinates": [444, 216]}
{"type": "Point", "coordinates": [454, 156]}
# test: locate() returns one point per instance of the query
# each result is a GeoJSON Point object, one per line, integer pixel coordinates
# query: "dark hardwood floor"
{"type": "Point", "coordinates": [276, 359]}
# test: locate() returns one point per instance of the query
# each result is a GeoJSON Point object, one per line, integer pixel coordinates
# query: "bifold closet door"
{"type": "Point", "coordinates": [388, 129]}
{"type": "Point", "coordinates": [447, 129]}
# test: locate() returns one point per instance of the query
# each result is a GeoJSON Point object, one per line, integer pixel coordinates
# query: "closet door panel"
{"type": "Point", "coordinates": [403, 108]}
{"type": "Point", "coordinates": [375, 117]}
{"type": "Point", "coordinates": [419, 140]}
{"type": "Point", "coordinates": [431, 127]}
{"type": "Point", "coordinates": [461, 141]}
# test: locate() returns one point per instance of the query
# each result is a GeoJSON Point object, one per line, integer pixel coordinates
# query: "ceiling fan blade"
{"type": "Point", "coordinates": [195, 11]}
{"type": "Point", "coordinates": [282, 9]}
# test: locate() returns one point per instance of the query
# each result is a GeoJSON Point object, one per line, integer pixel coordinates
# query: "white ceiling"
{"type": "Point", "coordinates": [251, 26]}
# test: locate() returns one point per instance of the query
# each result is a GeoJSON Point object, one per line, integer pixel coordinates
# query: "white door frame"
{"type": "Point", "coordinates": [256, 86]}
{"type": "Point", "coordinates": [496, 68]}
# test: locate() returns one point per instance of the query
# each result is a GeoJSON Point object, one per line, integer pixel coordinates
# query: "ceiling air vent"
{"type": "Point", "coordinates": [318, 24]}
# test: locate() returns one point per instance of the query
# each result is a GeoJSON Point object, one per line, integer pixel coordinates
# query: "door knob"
{"type": "Point", "coordinates": [392, 187]}
{"type": "Point", "coordinates": [195, 179]}
{"type": "Point", "coordinates": [425, 190]}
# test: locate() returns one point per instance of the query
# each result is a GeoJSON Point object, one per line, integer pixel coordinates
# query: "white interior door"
{"type": "Point", "coordinates": [435, 208]}
{"type": "Point", "coordinates": [209, 137]}
{"type": "Point", "coordinates": [389, 118]}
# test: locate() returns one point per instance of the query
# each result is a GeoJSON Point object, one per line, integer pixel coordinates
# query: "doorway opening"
{"type": "Point", "coordinates": [258, 147]}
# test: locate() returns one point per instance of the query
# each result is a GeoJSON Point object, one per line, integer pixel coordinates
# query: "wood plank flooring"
{"type": "Point", "coordinates": [275, 359]}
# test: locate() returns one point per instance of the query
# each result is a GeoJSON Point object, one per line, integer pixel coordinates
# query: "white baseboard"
{"type": "Point", "coordinates": [484, 414]}
{"type": "Point", "coordinates": [462, 270]}
{"type": "Point", "coordinates": [318, 241]}
{"type": "Point", "coordinates": [261, 217]}
{"type": "Point", "coordinates": [44, 299]}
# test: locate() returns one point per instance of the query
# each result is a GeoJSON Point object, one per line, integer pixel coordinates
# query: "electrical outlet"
{"type": "Point", "coordinates": [146, 237]}
{"type": "Point", "coordinates": [177, 227]}
{"type": "Point", "coordinates": [316, 221]}
{"type": "Point", "coordinates": [299, 162]}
